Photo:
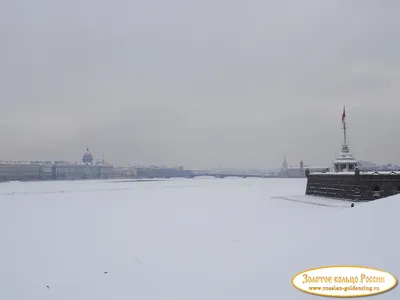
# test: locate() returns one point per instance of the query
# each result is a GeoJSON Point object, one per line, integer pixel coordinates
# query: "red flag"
{"type": "Point", "coordinates": [343, 115]}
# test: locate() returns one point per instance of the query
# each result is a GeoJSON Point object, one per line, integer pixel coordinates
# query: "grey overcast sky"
{"type": "Point", "coordinates": [201, 83]}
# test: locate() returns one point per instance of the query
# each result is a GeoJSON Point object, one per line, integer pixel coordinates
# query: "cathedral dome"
{"type": "Point", "coordinates": [87, 157]}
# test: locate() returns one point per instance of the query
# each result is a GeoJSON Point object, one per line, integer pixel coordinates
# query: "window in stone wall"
{"type": "Point", "coordinates": [376, 188]}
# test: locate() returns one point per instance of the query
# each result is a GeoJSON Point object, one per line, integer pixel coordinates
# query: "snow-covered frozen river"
{"type": "Point", "coordinates": [181, 239]}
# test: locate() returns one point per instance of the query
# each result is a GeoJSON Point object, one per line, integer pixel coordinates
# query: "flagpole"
{"type": "Point", "coordinates": [344, 132]}
{"type": "Point", "coordinates": [344, 125]}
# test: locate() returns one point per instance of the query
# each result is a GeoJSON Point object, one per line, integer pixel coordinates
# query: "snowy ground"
{"type": "Point", "coordinates": [200, 239]}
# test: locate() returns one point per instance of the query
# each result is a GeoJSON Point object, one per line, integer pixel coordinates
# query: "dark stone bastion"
{"type": "Point", "coordinates": [355, 186]}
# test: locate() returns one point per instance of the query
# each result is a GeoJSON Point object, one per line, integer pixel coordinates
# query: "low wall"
{"type": "Point", "coordinates": [353, 186]}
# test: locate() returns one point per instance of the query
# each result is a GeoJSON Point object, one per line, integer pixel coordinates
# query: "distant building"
{"type": "Point", "coordinates": [19, 171]}
{"type": "Point", "coordinates": [367, 165]}
{"type": "Point", "coordinates": [298, 172]}
{"type": "Point", "coordinates": [162, 172]}
{"type": "Point", "coordinates": [371, 166]}
{"type": "Point", "coordinates": [87, 169]}
{"type": "Point", "coordinates": [87, 157]}
{"type": "Point", "coordinates": [124, 172]}
{"type": "Point", "coordinates": [57, 170]}
{"type": "Point", "coordinates": [82, 171]}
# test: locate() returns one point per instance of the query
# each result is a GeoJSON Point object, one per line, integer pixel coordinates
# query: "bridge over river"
{"type": "Point", "coordinates": [233, 173]}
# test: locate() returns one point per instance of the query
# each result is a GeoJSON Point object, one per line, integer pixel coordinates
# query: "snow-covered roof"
{"type": "Point", "coordinates": [308, 167]}
{"type": "Point", "coordinates": [345, 161]}
{"type": "Point", "coordinates": [332, 173]}
{"type": "Point", "coordinates": [361, 173]}
{"type": "Point", "coordinates": [380, 173]}
{"type": "Point", "coordinates": [345, 156]}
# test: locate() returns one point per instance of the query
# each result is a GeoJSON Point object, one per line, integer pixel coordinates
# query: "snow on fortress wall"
{"type": "Point", "coordinates": [353, 185]}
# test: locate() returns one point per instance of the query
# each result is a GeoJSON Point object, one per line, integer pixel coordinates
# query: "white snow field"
{"type": "Point", "coordinates": [183, 239]}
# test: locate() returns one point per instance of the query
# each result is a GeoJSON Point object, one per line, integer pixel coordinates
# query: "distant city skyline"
{"type": "Point", "coordinates": [197, 83]}
{"type": "Point", "coordinates": [288, 164]}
